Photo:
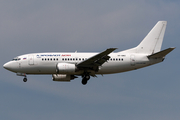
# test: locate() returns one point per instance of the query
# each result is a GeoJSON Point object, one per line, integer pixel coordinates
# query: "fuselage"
{"type": "Point", "coordinates": [45, 63]}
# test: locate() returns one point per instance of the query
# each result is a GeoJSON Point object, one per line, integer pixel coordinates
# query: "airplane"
{"type": "Point", "coordinates": [68, 66]}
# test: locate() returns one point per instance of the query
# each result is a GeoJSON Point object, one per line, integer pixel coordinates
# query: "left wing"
{"type": "Point", "coordinates": [96, 60]}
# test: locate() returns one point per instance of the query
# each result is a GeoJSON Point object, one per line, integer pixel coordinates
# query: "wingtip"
{"type": "Point", "coordinates": [113, 48]}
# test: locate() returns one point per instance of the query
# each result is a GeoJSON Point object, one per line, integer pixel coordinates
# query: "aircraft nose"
{"type": "Point", "coordinates": [7, 66]}
{"type": "Point", "coordinates": [11, 66]}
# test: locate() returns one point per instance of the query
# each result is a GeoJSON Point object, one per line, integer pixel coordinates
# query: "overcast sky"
{"type": "Point", "coordinates": [28, 26]}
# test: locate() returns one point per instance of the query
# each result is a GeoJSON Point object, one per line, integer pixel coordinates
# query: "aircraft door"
{"type": "Point", "coordinates": [31, 59]}
{"type": "Point", "coordinates": [132, 59]}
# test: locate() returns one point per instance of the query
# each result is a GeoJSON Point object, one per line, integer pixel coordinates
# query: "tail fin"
{"type": "Point", "coordinates": [153, 41]}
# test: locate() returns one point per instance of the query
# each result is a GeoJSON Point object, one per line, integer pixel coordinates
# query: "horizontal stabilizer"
{"type": "Point", "coordinates": [161, 54]}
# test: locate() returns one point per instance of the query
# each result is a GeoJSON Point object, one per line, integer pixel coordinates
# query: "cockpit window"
{"type": "Point", "coordinates": [16, 59]}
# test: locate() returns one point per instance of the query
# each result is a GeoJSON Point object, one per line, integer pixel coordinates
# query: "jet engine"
{"type": "Point", "coordinates": [65, 68]}
{"type": "Point", "coordinates": [63, 77]}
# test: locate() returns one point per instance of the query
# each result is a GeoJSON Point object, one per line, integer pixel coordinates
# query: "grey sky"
{"type": "Point", "coordinates": [42, 26]}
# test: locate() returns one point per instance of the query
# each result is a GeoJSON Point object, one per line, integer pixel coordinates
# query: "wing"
{"type": "Point", "coordinates": [96, 60]}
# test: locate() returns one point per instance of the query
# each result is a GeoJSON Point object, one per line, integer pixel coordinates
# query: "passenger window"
{"type": "Point", "coordinates": [57, 59]}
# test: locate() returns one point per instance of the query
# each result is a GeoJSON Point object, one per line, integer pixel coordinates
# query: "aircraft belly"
{"type": "Point", "coordinates": [39, 69]}
{"type": "Point", "coordinates": [115, 67]}
{"type": "Point", "coordinates": [45, 69]}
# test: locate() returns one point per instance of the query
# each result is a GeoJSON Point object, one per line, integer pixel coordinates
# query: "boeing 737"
{"type": "Point", "coordinates": [68, 66]}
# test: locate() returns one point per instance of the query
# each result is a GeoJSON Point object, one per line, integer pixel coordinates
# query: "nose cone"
{"type": "Point", "coordinates": [11, 66]}
{"type": "Point", "coordinates": [7, 66]}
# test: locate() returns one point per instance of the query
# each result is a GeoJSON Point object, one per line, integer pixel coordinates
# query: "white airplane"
{"type": "Point", "coordinates": [67, 66]}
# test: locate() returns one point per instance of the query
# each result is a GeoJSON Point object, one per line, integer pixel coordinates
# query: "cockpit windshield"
{"type": "Point", "coordinates": [16, 59]}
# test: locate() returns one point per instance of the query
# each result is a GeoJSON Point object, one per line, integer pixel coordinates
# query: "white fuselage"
{"type": "Point", "coordinates": [45, 63]}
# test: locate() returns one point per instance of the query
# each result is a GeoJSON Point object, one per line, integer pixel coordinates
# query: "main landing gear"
{"type": "Point", "coordinates": [85, 79]}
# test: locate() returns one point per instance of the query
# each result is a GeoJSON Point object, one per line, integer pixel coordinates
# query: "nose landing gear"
{"type": "Point", "coordinates": [25, 79]}
{"type": "Point", "coordinates": [22, 74]}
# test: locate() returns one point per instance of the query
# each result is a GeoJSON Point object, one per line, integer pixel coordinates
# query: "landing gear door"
{"type": "Point", "coordinates": [31, 59]}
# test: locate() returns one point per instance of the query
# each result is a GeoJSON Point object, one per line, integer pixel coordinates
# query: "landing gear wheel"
{"type": "Point", "coordinates": [85, 79]}
{"type": "Point", "coordinates": [25, 79]}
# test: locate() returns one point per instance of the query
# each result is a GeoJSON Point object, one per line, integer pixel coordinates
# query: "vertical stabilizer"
{"type": "Point", "coordinates": [153, 41]}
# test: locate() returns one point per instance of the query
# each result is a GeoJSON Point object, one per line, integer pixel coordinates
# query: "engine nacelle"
{"type": "Point", "coordinates": [63, 77]}
{"type": "Point", "coordinates": [64, 68]}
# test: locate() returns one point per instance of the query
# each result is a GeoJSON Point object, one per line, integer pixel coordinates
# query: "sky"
{"type": "Point", "coordinates": [29, 26]}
